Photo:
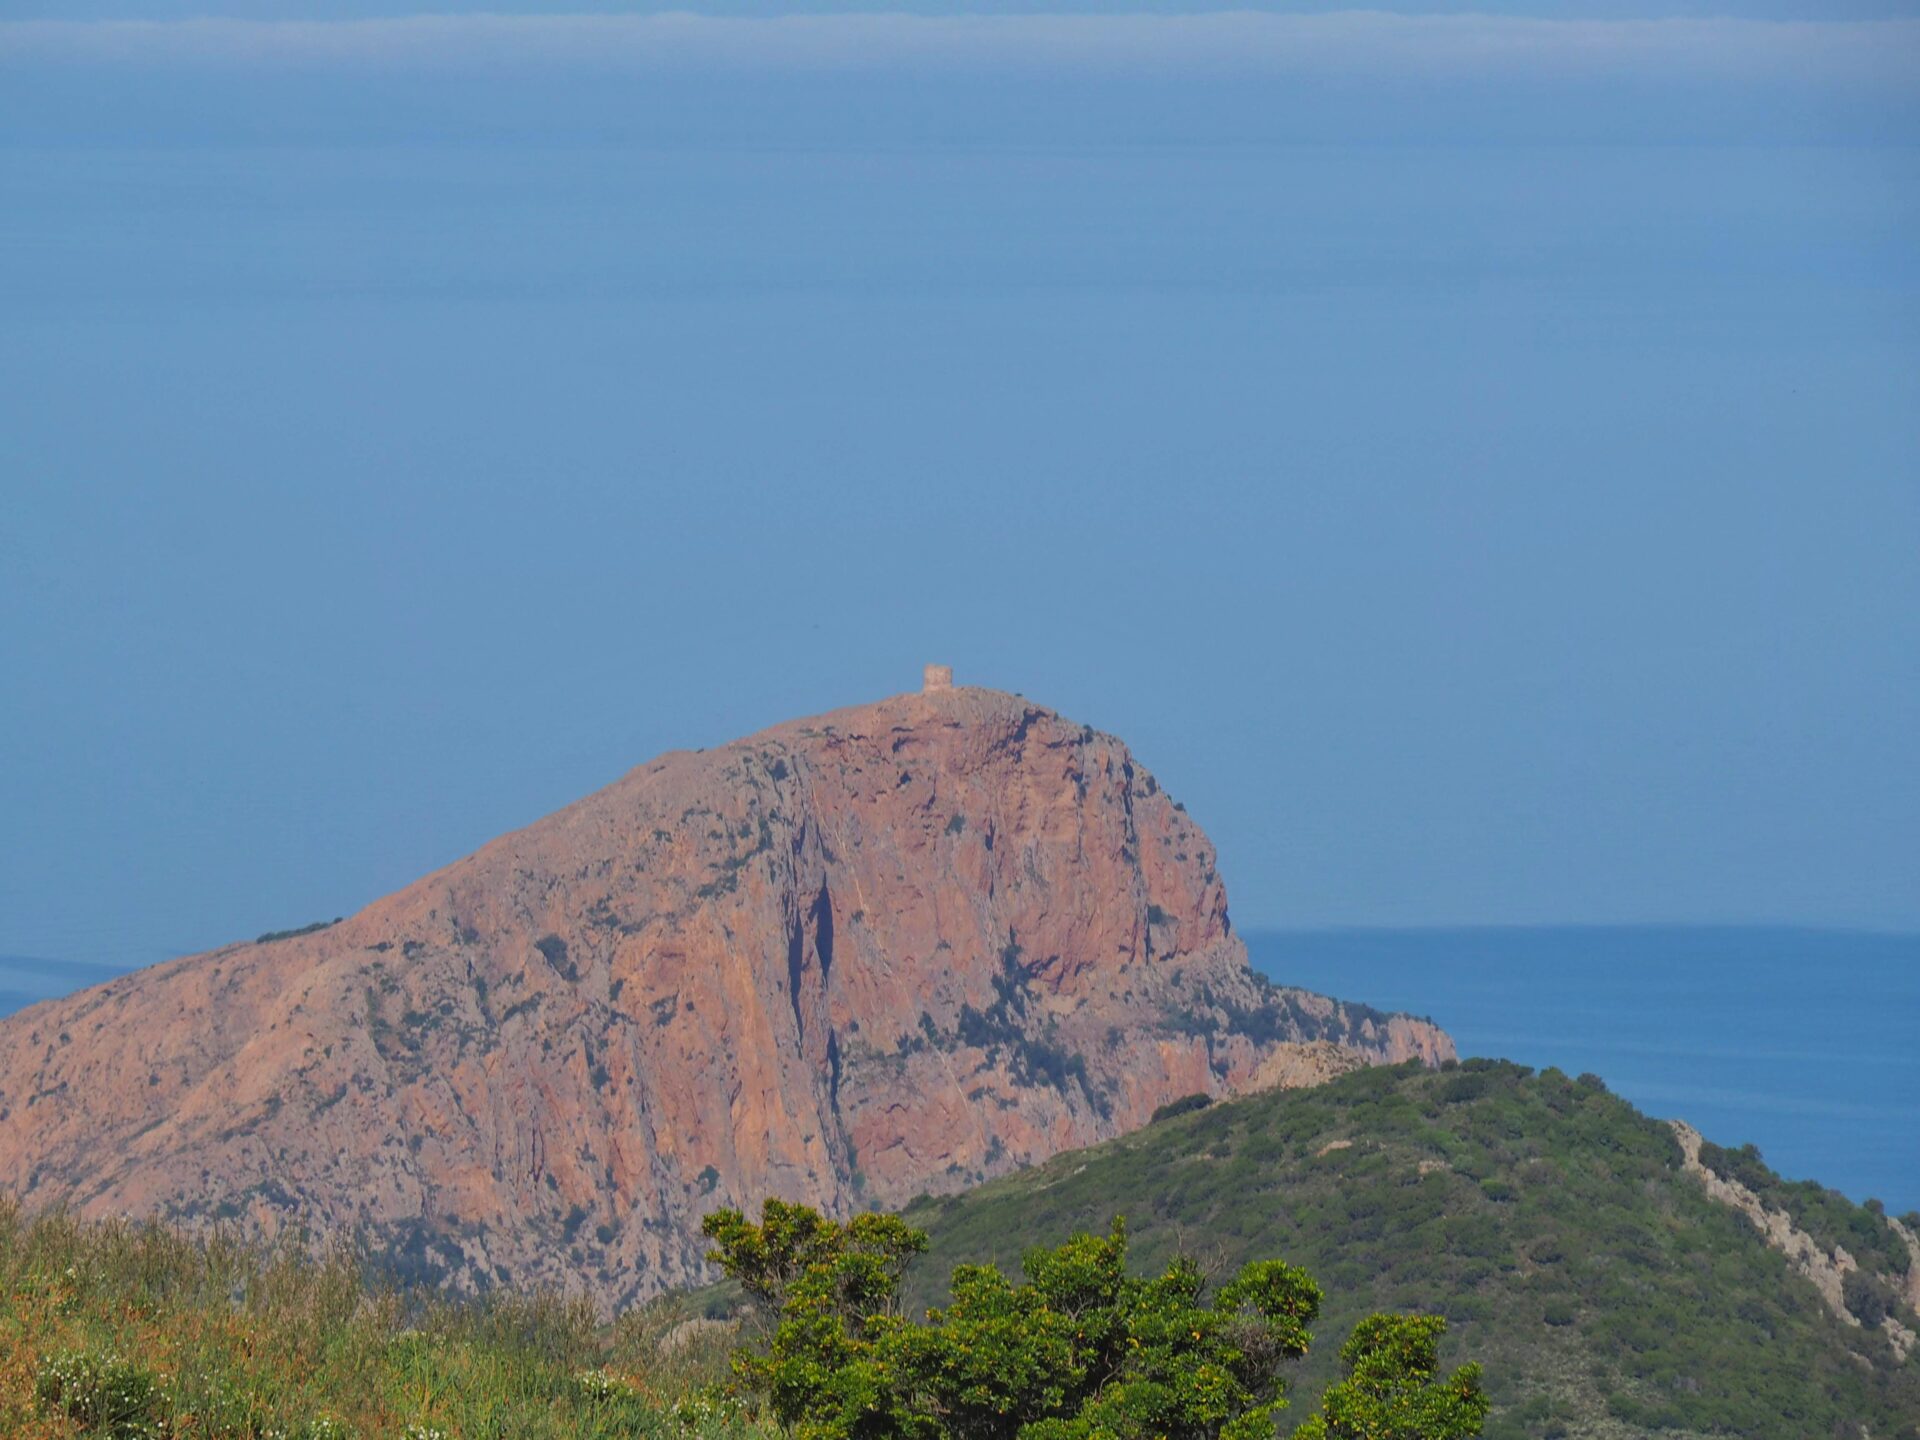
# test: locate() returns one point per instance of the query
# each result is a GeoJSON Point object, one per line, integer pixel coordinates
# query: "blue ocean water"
{"type": "Point", "coordinates": [26, 978]}
{"type": "Point", "coordinates": [1804, 1042]}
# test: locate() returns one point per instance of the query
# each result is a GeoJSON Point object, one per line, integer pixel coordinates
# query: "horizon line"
{"type": "Point", "coordinates": [1358, 44]}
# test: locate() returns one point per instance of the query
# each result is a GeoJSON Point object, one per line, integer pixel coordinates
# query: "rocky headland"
{"type": "Point", "coordinates": [894, 949]}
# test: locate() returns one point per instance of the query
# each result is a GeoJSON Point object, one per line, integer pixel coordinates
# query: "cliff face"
{"type": "Point", "coordinates": [894, 949]}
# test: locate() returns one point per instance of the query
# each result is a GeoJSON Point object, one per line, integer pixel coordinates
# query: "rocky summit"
{"type": "Point", "coordinates": [891, 950]}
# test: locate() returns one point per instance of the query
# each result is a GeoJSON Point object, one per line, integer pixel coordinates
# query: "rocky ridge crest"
{"type": "Point", "coordinates": [1825, 1269]}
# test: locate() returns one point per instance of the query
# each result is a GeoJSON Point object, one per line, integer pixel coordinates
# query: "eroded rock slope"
{"type": "Point", "coordinates": [893, 949]}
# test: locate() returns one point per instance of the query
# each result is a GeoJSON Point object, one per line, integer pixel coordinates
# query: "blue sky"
{"type": "Point", "coordinates": [1473, 459]}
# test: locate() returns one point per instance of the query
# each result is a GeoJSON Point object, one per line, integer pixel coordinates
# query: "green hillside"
{"type": "Point", "coordinates": [1549, 1221]}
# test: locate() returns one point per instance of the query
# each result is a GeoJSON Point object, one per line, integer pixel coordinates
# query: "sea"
{"type": "Point", "coordinates": [1803, 1042]}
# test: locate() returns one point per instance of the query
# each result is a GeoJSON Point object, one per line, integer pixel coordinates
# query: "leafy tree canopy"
{"type": "Point", "coordinates": [1081, 1350]}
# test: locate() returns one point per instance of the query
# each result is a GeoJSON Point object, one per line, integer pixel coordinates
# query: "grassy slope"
{"type": "Point", "coordinates": [217, 1341]}
{"type": "Point", "coordinates": [1606, 1294]}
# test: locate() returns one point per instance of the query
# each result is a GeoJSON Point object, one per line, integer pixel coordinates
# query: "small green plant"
{"type": "Point", "coordinates": [615, 1400]}
{"type": "Point", "coordinates": [105, 1395]}
{"type": "Point", "coordinates": [709, 1410]}
{"type": "Point", "coordinates": [603, 1386]}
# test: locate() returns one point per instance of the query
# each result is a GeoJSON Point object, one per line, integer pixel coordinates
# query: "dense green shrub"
{"type": "Point", "coordinates": [1082, 1350]}
{"type": "Point", "coordinates": [1185, 1105]}
{"type": "Point", "coordinates": [1392, 1389]}
{"type": "Point", "coordinates": [1867, 1297]}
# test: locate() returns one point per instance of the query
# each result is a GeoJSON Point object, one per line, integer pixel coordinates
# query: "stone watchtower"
{"type": "Point", "coordinates": [936, 678]}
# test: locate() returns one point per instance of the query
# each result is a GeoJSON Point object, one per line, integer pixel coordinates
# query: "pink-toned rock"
{"type": "Point", "coordinates": [893, 949]}
{"type": "Point", "coordinates": [1293, 1066]}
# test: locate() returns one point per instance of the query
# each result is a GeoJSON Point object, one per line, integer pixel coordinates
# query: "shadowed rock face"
{"type": "Point", "coordinates": [898, 948]}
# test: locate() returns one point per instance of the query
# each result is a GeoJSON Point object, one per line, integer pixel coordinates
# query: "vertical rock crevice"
{"type": "Point", "coordinates": [796, 965]}
{"type": "Point", "coordinates": [822, 916]}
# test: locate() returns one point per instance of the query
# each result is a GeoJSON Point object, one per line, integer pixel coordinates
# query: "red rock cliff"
{"type": "Point", "coordinates": [896, 948]}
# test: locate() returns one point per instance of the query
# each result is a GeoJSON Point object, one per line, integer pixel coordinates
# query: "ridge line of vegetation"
{"type": "Point", "coordinates": [314, 928]}
{"type": "Point", "coordinates": [1549, 1221]}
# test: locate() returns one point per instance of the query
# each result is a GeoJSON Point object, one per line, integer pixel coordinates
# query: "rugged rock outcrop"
{"type": "Point", "coordinates": [898, 948]}
{"type": "Point", "coordinates": [1825, 1269]}
{"type": "Point", "coordinates": [1295, 1065]}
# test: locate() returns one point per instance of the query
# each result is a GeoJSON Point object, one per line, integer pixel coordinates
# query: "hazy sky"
{"type": "Point", "coordinates": [1475, 461]}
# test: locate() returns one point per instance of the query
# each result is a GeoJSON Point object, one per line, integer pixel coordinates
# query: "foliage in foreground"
{"type": "Point", "coordinates": [1082, 1350]}
{"type": "Point", "coordinates": [139, 1333]}
{"type": "Point", "coordinates": [132, 1332]}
